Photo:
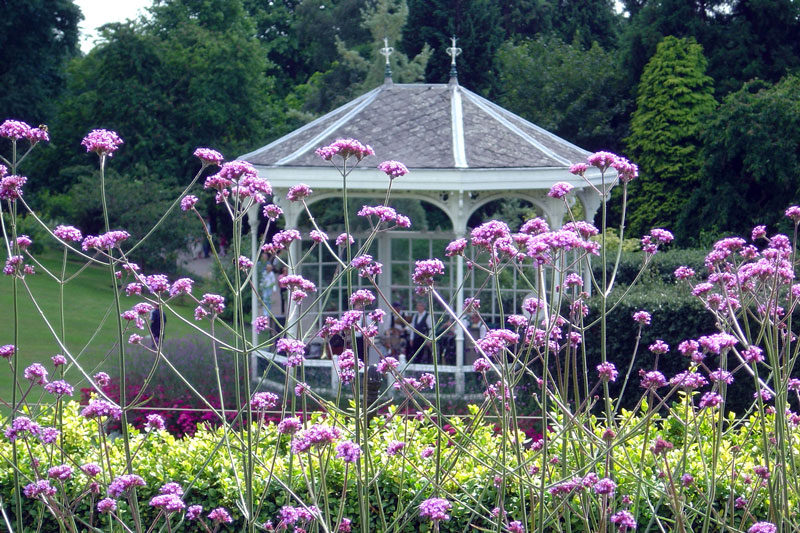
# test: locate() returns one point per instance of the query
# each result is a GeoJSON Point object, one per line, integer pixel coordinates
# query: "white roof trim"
{"type": "Point", "coordinates": [457, 117]}
{"type": "Point", "coordinates": [429, 180]}
{"type": "Point", "coordinates": [505, 122]}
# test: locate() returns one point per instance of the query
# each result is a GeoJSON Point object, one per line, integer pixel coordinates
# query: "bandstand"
{"type": "Point", "coordinates": [462, 152]}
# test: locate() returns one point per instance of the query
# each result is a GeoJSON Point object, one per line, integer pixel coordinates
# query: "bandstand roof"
{"type": "Point", "coordinates": [450, 138]}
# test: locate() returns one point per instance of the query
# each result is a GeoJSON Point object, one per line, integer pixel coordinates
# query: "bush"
{"type": "Point", "coordinates": [191, 357]}
{"type": "Point", "coordinates": [403, 480]}
{"type": "Point", "coordinates": [662, 266]}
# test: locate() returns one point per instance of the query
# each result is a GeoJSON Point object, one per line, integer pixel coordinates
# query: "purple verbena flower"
{"type": "Point", "coordinates": [15, 130]}
{"type": "Point", "coordinates": [624, 521]}
{"type": "Point", "coordinates": [102, 142]}
{"type": "Point", "coordinates": [560, 190]}
{"type": "Point", "coordinates": [208, 156]}
{"type": "Point", "coordinates": [607, 371]}
{"type": "Point", "coordinates": [107, 505]}
{"type": "Point", "coordinates": [220, 516]}
{"type": "Point", "coordinates": [345, 148]}
{"type": "Point", "coordinates": [394, 169]}
{"type": "Point", "coordinates": [762, 527]}
{"type": "Point", "coordinates": [123, 483]}
{"type": "Point", "coordinates": [605, 486]}
{"type": "Point", "coordinates": [36, 373]}
{"type": "Point", "coordinates": [264, 401]}
{"type": "Point", "coordinates": [395, 447]}
{"type": "Point", "coordinates": [435, 509]}
{"type": "Point", "coordinates": [349, 451]}
{"type": "Point", "coordinates": [298, 192]}
{"type": "Point", "coordinates": [59, 388]}
{"type": "Point", "coordinates": [188, 202]}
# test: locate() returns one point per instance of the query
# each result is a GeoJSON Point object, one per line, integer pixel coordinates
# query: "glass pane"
{"type": "Point", "coordinates": [401, 274]}
{"type": "Point", "coordinates": [399, 249]}
{"type": "Point", "coordinates": [420, 249]}
{"type": "Point", "coordinates": [439, 246]}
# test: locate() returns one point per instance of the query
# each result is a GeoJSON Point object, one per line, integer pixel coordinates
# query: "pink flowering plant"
{"type": "Point", "coordinates": [382, 452]}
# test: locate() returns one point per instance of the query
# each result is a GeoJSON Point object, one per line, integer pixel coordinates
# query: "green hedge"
{"type": "Point", "coordinates": [661, 268]}
{"type": "Point", "coordinates": [468, 472]}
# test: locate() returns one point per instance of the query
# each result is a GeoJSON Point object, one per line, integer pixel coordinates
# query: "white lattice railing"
{"type": "Point", "coordinates": [322, 377]}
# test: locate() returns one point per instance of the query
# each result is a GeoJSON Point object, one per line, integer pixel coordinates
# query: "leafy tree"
{"type": "Point", "coordinates": [478, 26]}
{"type": "Point", "coordinates": [742, 39]}
{"type": "Point", "coordinates": [761, 41]}
{"type": "Point", "coordinates": [362, 67]}
{"type": "Point", "coordinates": [37, 37]}
{"type": "Point", "coordinates": [135, 204]}
{"type": "Point", "coordinates": [559, 87]}
{"type": "Point", "coordinates": [185, 78]}
{"type": "Point", "coordinates": [386, 19]}
{"type": "Point", "coordinates": [586, 22]}
{"type": "Point", "coordinates": [675, 96]}
{"type": "Point", "coordinates": [751, 154]}
{"type": "Point", "coordinates": [300, 35]}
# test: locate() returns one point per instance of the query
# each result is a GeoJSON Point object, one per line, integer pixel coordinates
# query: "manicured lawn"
{"type": "Point", "coordinates": [89, 316]}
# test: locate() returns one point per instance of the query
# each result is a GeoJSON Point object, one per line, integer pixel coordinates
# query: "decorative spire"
{"type": "Point", "coordinates": [386, 51]}
{"type": "Point", "coordinates": [453, 52]}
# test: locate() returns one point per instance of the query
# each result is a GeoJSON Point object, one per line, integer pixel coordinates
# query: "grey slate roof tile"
{"type": "Point", "coordinates": [413, 123]}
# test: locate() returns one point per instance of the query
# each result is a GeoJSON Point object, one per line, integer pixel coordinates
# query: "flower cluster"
{"type": "Point", "coordinates": [123, 484]}
{"type": "Point", "coordinates": [10, 185]}
{"type": "Point", "coordinates": [385, 214]}
{"type": "Point", "coordinates": [316, 436]}
{"type": "Point", "coordinates": [348, 451]}
{"type": "Point", "coordinates": [393, 169]}
{"type": "Point", "coordinates": [208, 156]}
{"type": "Point", "coordinates": [104, 241]}
{"type": "Point", "coordinates": [16, 130]}
{"type": "Point", "coordinates": [102, 142]}
{"type": "Point", "coordinates": [345, 148]}
{"type": "Point", "coordinates": [239, 179]}
{"type": "Point", "coordinates": [210, 304]}
{"type": "Point", "coordinates": [347, 363]}
{"type": "Point", "coordinates": [298, 192]}
{"type": "Point", "coordinates": [435, 509]}
{"type": "Point", "coordinates": [424, 271]}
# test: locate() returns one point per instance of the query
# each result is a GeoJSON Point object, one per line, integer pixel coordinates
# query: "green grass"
{"type": "Point", "coordinates": [89, 316]}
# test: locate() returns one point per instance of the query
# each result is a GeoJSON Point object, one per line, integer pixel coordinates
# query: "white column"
{"type": "Point", "coordinates": [385, 280]}
{"type": "Point", "coordinates": [458, 216]}
{"type": "Point", "coordinates": [252, 219]}
{"type": "Point", "coordinates": [590, 200]}
{"type": "Point", "coordinates": [554, 210]}
{"type": "Point", "coordinates": [291, 213]}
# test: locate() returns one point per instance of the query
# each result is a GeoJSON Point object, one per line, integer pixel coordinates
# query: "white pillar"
{"type": "Point", "coordinates": [291, 213]}
{"type": "Point", "coordinates": [459, 219]}
{"type": "Point", "coordinates": [554, 210]}
{"type": "Point", "coordinates": [252, 219]}
{"type": "Point", "coordinates": [590, 200]}
{"type": "Point", "coordinates": [384, 280]}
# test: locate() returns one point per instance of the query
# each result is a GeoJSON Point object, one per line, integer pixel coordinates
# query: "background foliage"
{"type": "Point", "coordinates": [235, 74]}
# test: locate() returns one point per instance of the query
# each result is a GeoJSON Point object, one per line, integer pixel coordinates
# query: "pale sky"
{"type": "Point", "coordinates": [99, 12]}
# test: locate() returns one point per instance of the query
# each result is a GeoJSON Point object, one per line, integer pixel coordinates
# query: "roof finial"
{"type": "Point", "coordinates": [453, 52]}
{"type": "Point", "coordinates": [386, 51]}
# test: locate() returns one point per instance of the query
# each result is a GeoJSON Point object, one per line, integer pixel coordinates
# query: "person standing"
{"type": "Point", "coordinates": [157, 321]}
{"type": "Point", "coordinates": [421, 326]}
{"type": "Point", "coordinates": [206, 237]}
{"type": "Point", "coordinates": [284, 291]}
{"type": "Point", "coordinates": [268, 284]}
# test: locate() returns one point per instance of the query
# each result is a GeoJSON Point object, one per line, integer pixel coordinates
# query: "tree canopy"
{"type": "Point", "coordinates": [36, 39]}
{"type": "Point", "coordinates": [751, 160]}
{"type": "Point", "coordinates": [675, 97]}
